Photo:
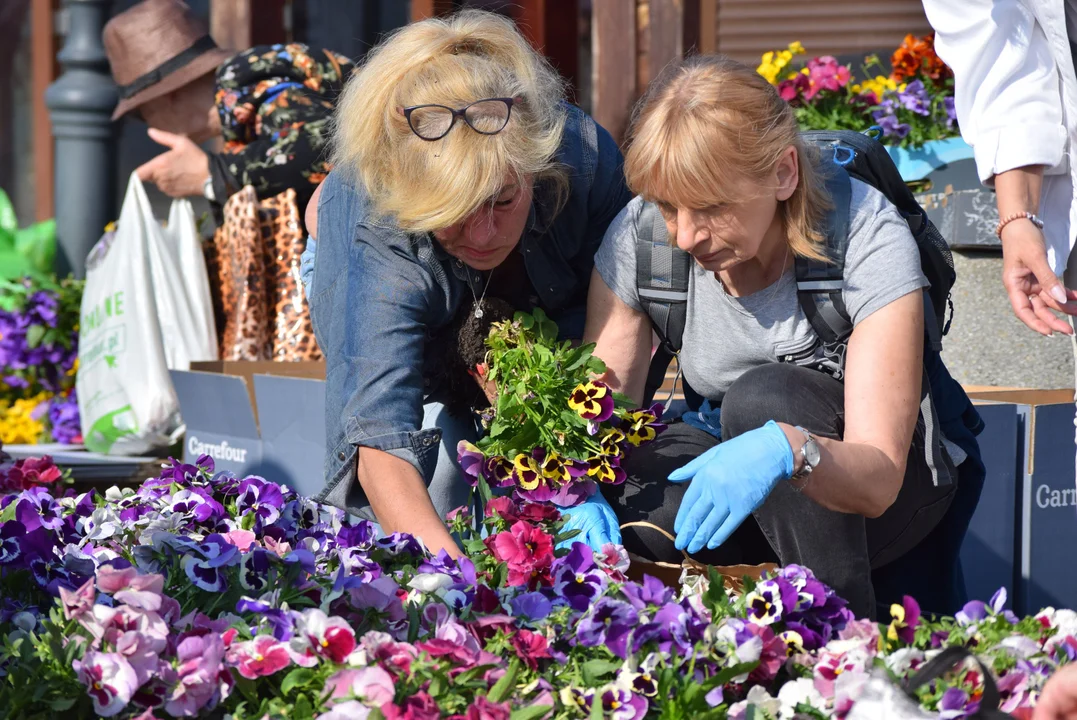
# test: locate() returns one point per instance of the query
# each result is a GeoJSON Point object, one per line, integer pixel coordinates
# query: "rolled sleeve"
{"type": "Point", "coordinates": [371, 310]}
{"type": "Point", "coordinates": [1007, 91]}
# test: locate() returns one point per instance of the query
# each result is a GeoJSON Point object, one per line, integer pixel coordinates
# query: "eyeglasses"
{"type": "Point", "coordinates": [488, 116]}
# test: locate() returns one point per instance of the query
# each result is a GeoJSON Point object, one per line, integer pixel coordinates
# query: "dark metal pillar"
{"type": "Point", "coordinates": [80, 104]}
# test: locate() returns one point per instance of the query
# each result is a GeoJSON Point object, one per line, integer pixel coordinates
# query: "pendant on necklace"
{"type": "Point", "coordinates": [478, 313]}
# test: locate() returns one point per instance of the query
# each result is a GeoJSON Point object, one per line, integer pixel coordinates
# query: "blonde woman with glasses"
{"type": "Point", "coordinates": [799, 464]}
{"type": "Point", "coordinates": [460, 175]}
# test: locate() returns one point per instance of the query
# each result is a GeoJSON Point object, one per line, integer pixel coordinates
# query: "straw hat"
{"type": "Point", "coordinates": [156, 47]}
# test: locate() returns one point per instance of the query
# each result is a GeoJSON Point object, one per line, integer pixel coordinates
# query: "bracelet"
{"type": "Point", "coordinates": [1031, 217]}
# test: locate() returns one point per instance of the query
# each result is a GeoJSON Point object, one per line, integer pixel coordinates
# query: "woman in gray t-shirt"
{"type": "Point", "coordinates": [833, 471]}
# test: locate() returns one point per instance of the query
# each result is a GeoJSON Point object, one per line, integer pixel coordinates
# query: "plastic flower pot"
{"type": "Point", "coordinates": [917, 163]}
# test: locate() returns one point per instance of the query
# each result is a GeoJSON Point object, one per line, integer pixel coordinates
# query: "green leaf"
{"type": "Point", "coordinates": [596, 707]}
{"type": "Point", "coordinates": [299, 676]}
{"type": "Point", "coordinates": [532, 712]}
{"type": "Point", "coordinates": [34, 334]}
{"type": "Point", "coordinates": [61, 704]}
{"type": "Point", "coordinates": [726, 676]}
{"type": "Point", "coordinates": [526, 321]}
{"type": "Point", "coordinates": [303, 709]}
{"type": "Point", "coordinates": [505, 685]}
{"type": "Point", "coordinates": [594, 670]}
{"type": "Point", "coordinates": [437, 686]}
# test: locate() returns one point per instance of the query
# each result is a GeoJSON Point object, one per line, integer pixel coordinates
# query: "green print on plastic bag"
{"type": "Point", "coordinates": [111, 307]}
{"type": "Point", "coordinates": [110, 428]}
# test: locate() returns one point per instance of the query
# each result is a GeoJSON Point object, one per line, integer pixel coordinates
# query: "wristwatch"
{"type": "Point", "coordinates": [207, 189]}
{"type": "Point", "coordinates": [809, 452]}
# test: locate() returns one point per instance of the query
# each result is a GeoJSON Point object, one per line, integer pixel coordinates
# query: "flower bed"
{"type": "Point", "coordinates": [39, 320]}
{"type": "Point", "coordinates": [203, 594]}
{"type": "Point", "coordinates": [911, 105]}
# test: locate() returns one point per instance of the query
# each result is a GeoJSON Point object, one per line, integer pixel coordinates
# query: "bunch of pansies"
{"type": "Point", "coordinates": [28, 473]}
{"type": "Point", "coordinates": [913, 104]}
{"type": "Point", "coordinates": [555, 431]}
{"type": "Point", "coordinates": [39, 322]}
{"type": "Point", "coordinates": [206, 595]}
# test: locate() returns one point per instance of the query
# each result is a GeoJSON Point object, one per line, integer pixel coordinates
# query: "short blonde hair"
{"type": "Point", "coordinates": [708, 122]}
{"type": "Point", "coordinates": [424, 186]}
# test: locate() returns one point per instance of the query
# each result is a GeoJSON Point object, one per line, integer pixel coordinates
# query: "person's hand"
{"type": "Point", "coordinates": [181, 171]}
{"type": "Point", "coordinates": [595, 520]}
{"type": "Point", "coordinates": [1033, 289]}
{"type": "Point", "coordinates": [729, 481]}
{"type": "Point", "coordinates": [1058, 701]}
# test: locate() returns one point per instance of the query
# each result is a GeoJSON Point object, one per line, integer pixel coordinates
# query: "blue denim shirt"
{"type": "Point", "coordinates": [376, 293]}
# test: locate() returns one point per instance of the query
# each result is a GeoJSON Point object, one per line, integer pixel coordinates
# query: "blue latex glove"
{"type": "Point", "coordinates": [595, 520]}
{"type": "Point", "coordinates": [729, 481]}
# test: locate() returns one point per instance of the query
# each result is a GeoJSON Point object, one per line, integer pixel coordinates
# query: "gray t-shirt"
{"type": "Point", "coordinates": [726, 336]}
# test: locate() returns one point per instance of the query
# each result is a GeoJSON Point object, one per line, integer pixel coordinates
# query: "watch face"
{"type": "Point", "coordinates": [811, 452]}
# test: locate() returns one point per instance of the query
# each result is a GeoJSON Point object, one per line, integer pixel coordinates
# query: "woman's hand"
{"type": "Point", "coordinates": [1059, 698]}
{"type": "Point", "coordinates": [728, 482]}
{"type": "Point", "coordinates": [180, 172]}
{"type": "Point", "coordinates": [595, 520]}
{"type": "Point", "coordinates": [1033, 289]}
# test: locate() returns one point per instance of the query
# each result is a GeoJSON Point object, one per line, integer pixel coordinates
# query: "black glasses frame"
{"type": "Point", "coordinates": [460, 114]}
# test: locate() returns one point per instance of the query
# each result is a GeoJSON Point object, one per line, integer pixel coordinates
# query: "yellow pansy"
{"type": "Point", "coordinates": [17, 423]}
{"type": "Point", "coordinates": [796, 48]}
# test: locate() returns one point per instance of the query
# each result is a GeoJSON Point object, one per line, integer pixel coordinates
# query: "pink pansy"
{"type": "Point", "coordinates": [372, 685]}
{"type": "Point", "coordinates": [419, 706]}
{"type": "Point", "coordinates": [847, 689]}
{"type": "Point", "coordinates": [350, 710]}
{"type": "Point", "coordinates": [263, 655]}
{"type": "Point", "coordinates": [141, 651]}
{"type": "Point", "coordinates": [772, 656]}
{"type": "Point", "coordinates": [198, 673]}
{"type": "Point", "coordinates": [483, 709]}
{"type": "Point", "coordinates": [839, 657]}
{"type": "Point", "coordinates": [78, 602]}
{"type": "Point", "coordinates": [109, 680]}
{"type": "Point", "coordinates": [395, 656]}
{"type": "Point", "coordinates": [318, 635]}
{"type": "Point", "coordinates": [126, 585]}
{"type": "Point", "coordinates": [861, 629]}
{"type": "Point", "coordinates": [242, 539]}
{"type": "Point", "coordinates": [279, 548]}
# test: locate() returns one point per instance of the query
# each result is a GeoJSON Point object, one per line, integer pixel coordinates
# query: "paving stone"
{"type": "Point", "coordinates": [987, 345]}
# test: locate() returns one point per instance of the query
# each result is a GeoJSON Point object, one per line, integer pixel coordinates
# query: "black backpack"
{"type": "Point", "coordinates": [662, 269]}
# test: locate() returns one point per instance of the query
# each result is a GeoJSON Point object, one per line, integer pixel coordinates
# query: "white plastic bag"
{"type": "Point", "coordinates": [145, 310]}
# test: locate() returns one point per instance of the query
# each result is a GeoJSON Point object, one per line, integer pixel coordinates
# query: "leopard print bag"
{"type": "Point", "coordinates": [258, 250]}
{"type": "Point", "coordinates": [291, 334]}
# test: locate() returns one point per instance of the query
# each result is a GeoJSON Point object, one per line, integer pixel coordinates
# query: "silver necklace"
{"type": "Point", "coordinates": [478, 300]}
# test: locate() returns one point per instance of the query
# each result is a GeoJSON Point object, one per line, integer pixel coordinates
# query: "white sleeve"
{"type": "Point", "coordinates": [1008, 94]}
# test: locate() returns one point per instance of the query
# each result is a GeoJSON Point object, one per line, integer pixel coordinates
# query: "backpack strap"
{"type": "Point", "coordinates": [662, 272]}
{"type": "Point", "coordinates": [819, 290]}
{"type": "Point", "coordinates": [819, 282]}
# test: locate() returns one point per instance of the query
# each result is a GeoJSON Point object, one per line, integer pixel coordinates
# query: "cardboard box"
{"type": "Point", "coordinates": [257, 418]}
{"type": "Point", "coordinates": [1044, 499]}
{"type": "Point", "coordinates": [966, 218]}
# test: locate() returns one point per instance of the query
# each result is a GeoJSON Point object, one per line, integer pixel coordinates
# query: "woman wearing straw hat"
{"type": "Point", "coordinates": [270, 104]}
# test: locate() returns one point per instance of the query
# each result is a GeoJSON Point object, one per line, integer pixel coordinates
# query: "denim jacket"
{"type": "Point", "coordinates": [376, 293]}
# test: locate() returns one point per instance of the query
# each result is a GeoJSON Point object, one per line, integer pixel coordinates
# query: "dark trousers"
{"type": "Point", "coordinates": [848, 552]}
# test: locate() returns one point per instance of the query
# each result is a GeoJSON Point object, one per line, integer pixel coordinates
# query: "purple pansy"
{"type": "Point", "coordinates": [576, 578]}
{"type": "Point", "coordinates": [955, 703]}
{"type": "Point", "coordinates": [206, 561]}
{"type": "Point", "coordinates": [609, 622]}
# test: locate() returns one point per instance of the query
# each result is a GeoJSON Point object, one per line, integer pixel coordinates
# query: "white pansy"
{"type": "Point", "coordinates": [799, 691]}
